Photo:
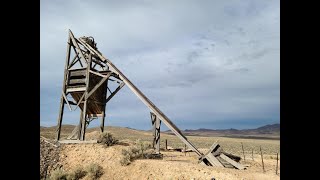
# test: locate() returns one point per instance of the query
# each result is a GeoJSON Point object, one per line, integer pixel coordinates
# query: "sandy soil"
{"type": "Point", "coordinates": [174, 165]}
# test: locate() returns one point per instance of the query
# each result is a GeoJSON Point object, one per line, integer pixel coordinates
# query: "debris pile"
{"type": "Point", "coordinates": [49, 157]}
{"type": "Point", "coordinates": [217, 157]}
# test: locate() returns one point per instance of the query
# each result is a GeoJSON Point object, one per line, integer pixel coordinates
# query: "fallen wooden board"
{"type": "Point", "coordinates": [235, 164]}
{"type": "Point", "coordinates": [213, 160]}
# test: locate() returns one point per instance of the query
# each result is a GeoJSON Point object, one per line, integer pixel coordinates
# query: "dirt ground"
{"type": "Point", "coordinates": [174, 165]}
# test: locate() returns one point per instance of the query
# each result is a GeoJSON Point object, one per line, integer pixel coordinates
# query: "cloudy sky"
{"type": "Point", "coordinates": [205, 64]}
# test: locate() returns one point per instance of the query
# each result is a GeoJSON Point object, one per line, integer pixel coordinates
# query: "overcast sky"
{"type": "Point", "coordinates": [205, 64]}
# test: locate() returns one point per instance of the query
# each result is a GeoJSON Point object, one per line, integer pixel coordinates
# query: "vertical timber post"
{"type": "Point", "coordinates": [104, 108]}
{"type": "Point", "coordinates": [84, 116]}
{"type": "Point", "coordinates": [166, 145]}
{"type": "Point", "coordinates": [80, 124]}
{"type": "Point", "coordinates": [252, 154]}
{"type": "Point", "coordinates": [62, 101]}
{"type": "Point", "coordinates": [277, 164]}
{"type": "Point", "coordinates": [156, 131]}
{"type": "Point", "coordinates": [244, 157]}
{"type": "Point", "coordinates": [262, 160]}
{"type": "Point", "coordinates": [185, 149]}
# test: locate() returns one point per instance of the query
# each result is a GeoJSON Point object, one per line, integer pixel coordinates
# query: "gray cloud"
{"type": "Point", "coordinates": [208, 62]}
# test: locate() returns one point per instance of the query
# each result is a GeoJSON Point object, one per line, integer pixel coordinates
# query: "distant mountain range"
{"type": "Point", "coordinates": [263, 132]}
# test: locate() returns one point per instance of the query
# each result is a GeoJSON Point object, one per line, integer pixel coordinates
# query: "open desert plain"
{"type": "Point", "coordinates": [99, 161]}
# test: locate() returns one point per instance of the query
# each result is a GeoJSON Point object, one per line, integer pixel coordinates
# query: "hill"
{"type": "Point", "coordinates": [264, 132]}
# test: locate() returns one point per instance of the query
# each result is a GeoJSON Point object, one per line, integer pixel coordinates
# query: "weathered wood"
{"type": "Point", "coordinates": [103, 110]}
{"type": "Point", "coordinates": [224, 162]}
{"type": "Point", "coordinates": [99, 74]}
{"type": "Point", "coordinates": [83, 124]}
{"type": "Point", "coordinates": [231, 156]}
{"type": "Point", "coordinates": [77, 81]}
{"type": "Point", "coordinates": [61, 109]}
{"type": "Point", "coordinates": [95, 115]}
{"type": "Point", "coordinates": [235, 164]}
{"type": "Point", "coordinates": [213, 160]}
{"type": "Point", "coordinates": [72, 103]}
{"type": "Point", "coordinates": [99, 84]}
{"type": "Point", "coordinates": [74, 133]}
{"type": "Point", "coordinates": [166, 145]}
{"type": "Point", "coordinates": [277, 164]}
{"type": "Point", "coordinates": [115, 92]}
{"type": "Point", "coordinates": [66, 100]}
{"type": "Point", "coordinates": [244, 157]}
{"type": "Point", "coordinates": [74, 60]}
{"type": "Point", "coordinates": [155, 132]}
{"type": "Point", "coordinates": [76, 89]}
{"type": "Point", "coordinates": [77, 46]}
{"type": "Point", "coordinates": [185, 149]}
{"type": "Point", "coordinates": [262, 160]}
{"type": "Point", "coordinates": [144, 99]}
{"type": "Point", "coordinates": [80, 124]}
{"type": "Point", "coordinates": [252, 155]}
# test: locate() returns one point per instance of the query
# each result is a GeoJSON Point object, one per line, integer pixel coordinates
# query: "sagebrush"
{"type": "Point", "coordinates": [92, 171]}
{"type": "Point", "coordinates": [139, 150]}
{"type": "Point", "coordinates": [107, 139]}
{"type": "Point", "coordinates": [95, 171]}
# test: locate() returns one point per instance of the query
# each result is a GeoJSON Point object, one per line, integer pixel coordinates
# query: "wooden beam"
{"type": "Point", "coordinates": [213, 160]}
{"type": "Point", "coordinates": [61, 109]}
{"type": "Point", "coordinates": [144, 99]}
{"type": "Point", "coordinates": [77, 81]}
{"type": "Point", "coordinates": [72, 103]}
{"type": "Point", "coordinates": [115, 92]}
{"type": "Point", "coordinates": [99, 84]}
{"type": "Point", "coordinates": [83, 124]}
{"type": "Point", "coordinates": [66, 100]}
{"type": "Point", "coordinates": [76, 45]}
{"type": "Point", "coordinates": [95, 115]}
{"type": "Point", "coordinates": [103, 110]}
{"type": "Point", "coordinates": [75, 89]}
{"type": "Point", "coordinates": [78, 72]}
{"type": "Point", "coordinates": [235, 164]}
{"type": "Point", "coordinates": [73, 60]}
{"type": "Point", "coordinates": [99, 74]}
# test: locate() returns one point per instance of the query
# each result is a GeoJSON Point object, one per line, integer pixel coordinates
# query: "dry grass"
{"type": "Point", "coordinates": [140, 150]}
{"type": "Point", "coordinates": [230, 145]}
{"type": "Point", "coordinates": [107, 139]}
{"type": "Point", "coordinates": [92, 171]}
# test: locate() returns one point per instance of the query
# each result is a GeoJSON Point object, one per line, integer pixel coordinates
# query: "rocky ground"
{"type": "Point", "coordinates": [49, 157]}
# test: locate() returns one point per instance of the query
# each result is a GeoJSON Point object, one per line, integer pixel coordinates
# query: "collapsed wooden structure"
{"type": "Point", "coordinates": [87, 78]}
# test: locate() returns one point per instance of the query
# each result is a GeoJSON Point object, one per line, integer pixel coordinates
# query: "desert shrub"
{"type": "Point", "coordinates": [95, 171]}
{"type": "Point", "coordinates": [141, 150]}
{"type": "Point", "coordinates": [77, 174]}
{"type": "Point", "coordinates": [107, 139]}
{"type": "Point", "coordinates": [126, 159]}
{"type": "Point", "coordinates": [58, 174]}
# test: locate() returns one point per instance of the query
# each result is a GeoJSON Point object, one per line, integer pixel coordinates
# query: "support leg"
{"type": "Point", "coordinates": [83, 123]}
{"type": "Point", "coordinates": [60, 118]}
{"type": "Point", "coordinates": [156, 122]}
{"type": "Point", "coordinates": [104, 110]}
{"type": "Point", "coordinates": [62, 101]}
{"type": "Point", "coordinates": [80, 125]}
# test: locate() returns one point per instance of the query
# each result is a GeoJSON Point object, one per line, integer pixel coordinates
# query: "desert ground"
{"type": "Point", "coordinates": [174, 165]}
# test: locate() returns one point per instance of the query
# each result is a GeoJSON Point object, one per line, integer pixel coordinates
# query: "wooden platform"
{"type": "Point", "coordinates": [77, 86]}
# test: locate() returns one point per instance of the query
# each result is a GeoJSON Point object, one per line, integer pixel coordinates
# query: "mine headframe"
{"type": "Point", "coordinates": [86, 85]}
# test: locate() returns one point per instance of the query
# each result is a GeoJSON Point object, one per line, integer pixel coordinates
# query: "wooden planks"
{"type": "Point", "coordinates": [235, 164]}
{"type": "Point", "coordinates": [213, 160]}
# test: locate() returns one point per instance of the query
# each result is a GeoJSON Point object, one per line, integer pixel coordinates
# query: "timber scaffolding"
{"type": "Point", "coordinates": [86, 78]}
